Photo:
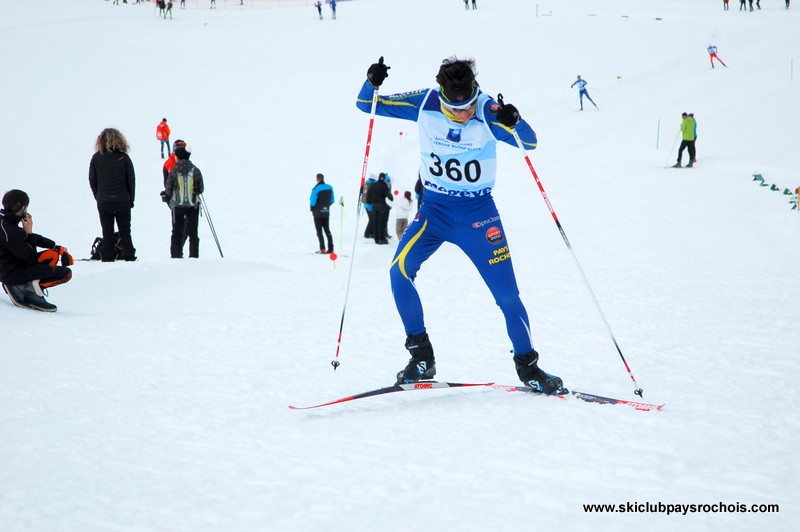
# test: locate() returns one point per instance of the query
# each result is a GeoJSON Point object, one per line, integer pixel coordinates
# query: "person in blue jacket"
{"type": "Point", "coordinates": [581, 83]}
{"type": "Point", "coordinates": [321, 200]}
{"type": "Point", "coordinates": [460, 127]}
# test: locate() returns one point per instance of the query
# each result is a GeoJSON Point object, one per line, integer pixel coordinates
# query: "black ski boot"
{"type": "Point", "coordinates": [16, 294]}
{"type": "Point", "coordinates": [29, 295]}
{"type": "Point", "coordinates": [422, 366]}
{"type": "Point", "coordinates": [533, 377]}
{"type": "Point", "coordinates": [34, 297]}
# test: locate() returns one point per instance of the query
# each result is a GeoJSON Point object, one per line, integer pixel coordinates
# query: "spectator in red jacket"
{"type": "Point", "coordinates": [162, 134]}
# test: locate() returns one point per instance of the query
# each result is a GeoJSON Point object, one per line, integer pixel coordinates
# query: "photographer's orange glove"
{"type": "Point", "coordinates": [66, 258]}
{"type": "Point", "coordinates": [49, 257]}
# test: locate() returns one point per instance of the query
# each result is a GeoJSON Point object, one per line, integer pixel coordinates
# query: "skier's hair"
{"type": "Point", "coordinates": [111, 139]}
{"type": "Point", "coordinates": [456, 79]}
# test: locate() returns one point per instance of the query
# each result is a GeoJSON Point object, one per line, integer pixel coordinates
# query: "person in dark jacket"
{"type": "Point", "coordinates": [321, 200]}
{"type": "Point", "coordinates": [377, 195]}
{"type": "Point", "coordinates": [184, 186]}
{"type": "Point", "coordinates": [24, 272]}
{"type": "Point", "coordinates": [419, 190]}
{"type": "Point", "coordinates": [113, 183]}
{"type": "Point", "coordinates": [369, 230]}
{"type": "Point", "coordinates": [169, 164]}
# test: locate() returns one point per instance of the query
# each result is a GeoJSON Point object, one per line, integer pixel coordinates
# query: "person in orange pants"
{"type": "Point", "coordinates": [712, 54]}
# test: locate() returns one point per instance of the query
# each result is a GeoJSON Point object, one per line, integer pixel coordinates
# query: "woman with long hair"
{"type": "Point", "coordinates": [113, 183]}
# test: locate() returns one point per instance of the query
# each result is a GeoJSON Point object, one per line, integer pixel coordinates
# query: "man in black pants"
{"type": "Point", "coordinates": [321, 201]}
{"type": "Point", "coordinates": [183, 189]}
{"type": "Point", "coordinates": [377, 195]}
{"type": "Point", "coordinates": [24, 271]}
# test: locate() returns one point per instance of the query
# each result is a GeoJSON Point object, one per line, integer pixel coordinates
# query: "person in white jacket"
{"type": "Point", "coordinates": [403, 211]}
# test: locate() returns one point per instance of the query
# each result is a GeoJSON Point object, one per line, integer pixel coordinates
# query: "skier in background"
{"type": "Point", "coordinates": [318, 5]}
{"type": "Point", "coordinates": [712, 54]}
{"type": "Point", "coordinates": [581, 83]}
{"type": "Point", "coordinates": [460, 127]}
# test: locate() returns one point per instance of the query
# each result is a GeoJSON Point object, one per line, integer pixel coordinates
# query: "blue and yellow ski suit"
{"type": "Point", "coordinates": [458, 164]}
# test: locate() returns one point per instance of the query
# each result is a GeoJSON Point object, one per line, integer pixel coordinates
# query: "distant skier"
{"type": "Point", "coordinates": [688, 135]}
{"type": "Point", "coordinates": [333, 8]}
{"type": "Point", "coordinates": [318, 5]}
{"type": "Point", "coordinates": [581, 83]}
{"type": "Point", "coordinates": [712, 54]}
{"type": "Point", "coordinates": [724, 5]}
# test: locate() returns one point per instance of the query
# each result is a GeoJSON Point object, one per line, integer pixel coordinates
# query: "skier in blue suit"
{"type": "Point", "coordinates": [459, 129]}
{"type": "Point", "coordinates": [581, 83]}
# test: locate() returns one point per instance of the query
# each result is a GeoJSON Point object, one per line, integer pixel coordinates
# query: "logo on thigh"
{"type": "Point", "coordinates": [494, 235]}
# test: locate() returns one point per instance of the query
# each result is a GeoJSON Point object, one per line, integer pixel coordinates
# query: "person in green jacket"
{"type": "Point", "coordinates": [687, 142]}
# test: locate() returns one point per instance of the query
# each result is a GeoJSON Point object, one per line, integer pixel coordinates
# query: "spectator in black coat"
{"type": "Point", "coordinates": [377, 195]}
{"type": "Point", "coordinates": [24, 272]}
{"type": "Point", "coordinates": [113, 183]}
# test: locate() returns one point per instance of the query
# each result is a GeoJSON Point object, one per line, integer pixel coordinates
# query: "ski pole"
{"type": "Point", "coordinates": [335, 362]}
{"type": "Point", "coordinates": [204, 207]}
{"type": "Point", "coordinates": [672, 148]}
{"type": "Point", "coordinates": [638, 391]}
{"type": "Point", "coordinates": [341, 222]}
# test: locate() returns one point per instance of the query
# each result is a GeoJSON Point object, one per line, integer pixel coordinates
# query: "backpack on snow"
{"type": "Point", "coordinates": [97, 247]}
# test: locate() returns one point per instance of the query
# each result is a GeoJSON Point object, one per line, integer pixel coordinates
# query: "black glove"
{"type": "Point", "coordinates": [507, 114]}
{"type": "Point", "coordinates": [164, 196]}
{"type": "Point", "coordinates": [377, 73]}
